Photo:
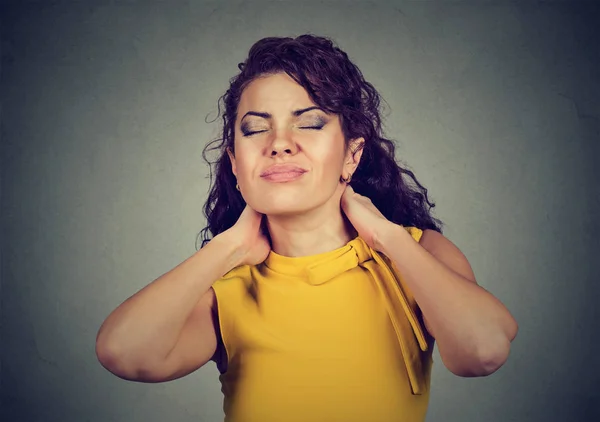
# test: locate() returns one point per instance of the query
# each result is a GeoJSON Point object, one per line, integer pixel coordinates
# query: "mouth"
{"type": "Point", "coordinates": [282, 177]}
{"type": "Point", "coordinates": [283, 172]}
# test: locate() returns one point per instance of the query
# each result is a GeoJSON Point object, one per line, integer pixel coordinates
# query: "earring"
{"type": "Point", "coordinates": [237, 186]}
{"type": "Point", "coordinates": [346, 180]}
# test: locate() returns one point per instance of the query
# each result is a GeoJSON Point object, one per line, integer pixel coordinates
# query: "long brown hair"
{"type": "Point", "coordinates": [335, 84]}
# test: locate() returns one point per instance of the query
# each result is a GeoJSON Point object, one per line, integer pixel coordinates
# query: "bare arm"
{"type": "Point", "coordinates": [472, 328]}
{"type": "Point", "coordinates": [166, 330]}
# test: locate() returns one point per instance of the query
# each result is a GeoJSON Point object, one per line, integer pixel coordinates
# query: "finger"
{"type": "Point", "coordinates": [345, 191]}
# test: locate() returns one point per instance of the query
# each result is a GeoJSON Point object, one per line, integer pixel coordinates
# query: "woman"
{"type": "Point", "coordinates": [326, 281]}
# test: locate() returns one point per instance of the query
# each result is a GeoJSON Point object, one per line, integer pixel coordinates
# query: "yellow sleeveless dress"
{"type": "Point", "coordinates": [324, 338]}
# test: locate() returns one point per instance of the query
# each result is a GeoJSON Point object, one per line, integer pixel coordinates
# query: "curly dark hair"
{"type": "Point", "coordinates": [335, 84]}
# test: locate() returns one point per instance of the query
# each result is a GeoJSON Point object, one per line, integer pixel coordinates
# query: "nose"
{"type": "Point", "coordinates": [279, 151]}
{"type": "Point", "coordinates": [283, 144]}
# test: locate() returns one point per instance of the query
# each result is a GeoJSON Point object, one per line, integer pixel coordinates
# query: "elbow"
{"type": "Point", "coordinates": [514, 329]}
{"type": "Point", "coordinates": [493, 354]}
{"type": "Point", "coordinates": [485, 361]}
{"type": "Point", "coordinates": [113, 360]}
{"type": "Point", "coordinates": [127, 366]}
{"type": "Point", "coordinates": [109, 358]}
{"type": "Point", "coordinates": [491, 360]}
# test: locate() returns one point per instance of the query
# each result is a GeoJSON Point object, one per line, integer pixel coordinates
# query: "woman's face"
{"type": "Point", "coordinates": [290, 130]}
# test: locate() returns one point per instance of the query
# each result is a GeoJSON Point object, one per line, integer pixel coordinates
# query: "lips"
{"type": "Point", "coordinates": [282, 168]}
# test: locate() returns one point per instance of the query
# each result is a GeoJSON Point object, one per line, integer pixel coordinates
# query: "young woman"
{"type": "Point", "coordinates": [326, 280]}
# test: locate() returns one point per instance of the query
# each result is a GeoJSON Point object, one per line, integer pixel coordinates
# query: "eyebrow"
{"type": "Point", "coordinates": [295, 113]}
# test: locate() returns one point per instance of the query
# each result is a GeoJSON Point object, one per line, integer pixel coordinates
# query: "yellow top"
{"type": "Point", "coordinates": [330, 337]}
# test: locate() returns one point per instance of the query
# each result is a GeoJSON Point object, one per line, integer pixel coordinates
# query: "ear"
{"type": "Point", "coordinates": [353, 155]}
{"type": "Point", "coordinates": [232, 159]}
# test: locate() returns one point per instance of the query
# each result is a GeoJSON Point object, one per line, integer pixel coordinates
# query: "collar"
{"type": "Point", "coordinates": [318, 269]}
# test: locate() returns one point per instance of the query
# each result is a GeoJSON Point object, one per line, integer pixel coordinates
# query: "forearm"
{"type": "Point", "coordinates": [146, 327]}
{"type": "Point", "coordinates": [472, 328]}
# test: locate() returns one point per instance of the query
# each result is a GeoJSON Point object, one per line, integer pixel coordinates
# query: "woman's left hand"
{"type": "Point", "coordinates": [368, 221]}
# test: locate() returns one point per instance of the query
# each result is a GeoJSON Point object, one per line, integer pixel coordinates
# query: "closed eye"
{"type": "Point", "coordinates": [252, 133]}
{"type": "Point", "coordinates": [304, 127]}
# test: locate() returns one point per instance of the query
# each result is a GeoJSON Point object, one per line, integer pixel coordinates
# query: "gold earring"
{"type": "Point", "coordinates": [346, 180]}
{"type": "Point", "coordinates": [237, 186]}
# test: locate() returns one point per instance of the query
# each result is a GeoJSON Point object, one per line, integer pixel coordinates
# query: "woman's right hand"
{"type": "Point", "coordinates": [253, 246]}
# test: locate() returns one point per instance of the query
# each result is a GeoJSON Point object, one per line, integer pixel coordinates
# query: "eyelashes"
{"type": "Point", "coordinates": [250, 133]}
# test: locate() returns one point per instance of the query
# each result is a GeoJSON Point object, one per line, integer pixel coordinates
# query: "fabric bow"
{"type": "Point", "coordinates": [409, 332]}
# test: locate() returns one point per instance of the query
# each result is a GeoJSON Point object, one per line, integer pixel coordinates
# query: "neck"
{"type": "Point", "coordinates": [314, 232]}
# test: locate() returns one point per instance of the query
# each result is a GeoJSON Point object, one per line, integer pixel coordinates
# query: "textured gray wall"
{"type": "Point", "coordinates": [495, 106]}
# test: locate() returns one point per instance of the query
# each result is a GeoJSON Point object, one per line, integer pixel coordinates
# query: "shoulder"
{"type": "Point", "coordinates": [431, 239]}
{"type": "Point", "coordinates": [233, 284]}
{"type": "Point", "coordinates": [447, 252]}
{"type": "Point", "coordinates": [238, 275]}
{"type": "Point", "coordinates": [415, 232]}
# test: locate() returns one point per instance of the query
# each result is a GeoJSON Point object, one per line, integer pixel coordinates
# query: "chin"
{"type": "Point", "coordinates": [281, 204]}
{"type": "Point", "coordinates": [282, 209]}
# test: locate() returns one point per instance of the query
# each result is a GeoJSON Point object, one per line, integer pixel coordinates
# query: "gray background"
{"type": "Point", "coordinates": [494, 105]}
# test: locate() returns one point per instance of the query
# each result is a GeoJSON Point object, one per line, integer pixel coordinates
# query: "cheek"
{"type": "Point", "coordinates": [330, 159]}
{"type": "Point", "coordinates": [245, 162]}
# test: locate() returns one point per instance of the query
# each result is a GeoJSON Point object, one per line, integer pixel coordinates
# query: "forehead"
{"type": "Point", "coordinates": [279, 91]}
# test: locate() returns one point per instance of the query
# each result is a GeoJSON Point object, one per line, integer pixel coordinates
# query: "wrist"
{"type": "Point", "coordinates": [231, 248]}
{"type": "Point", "coordinates": [387, 237]}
